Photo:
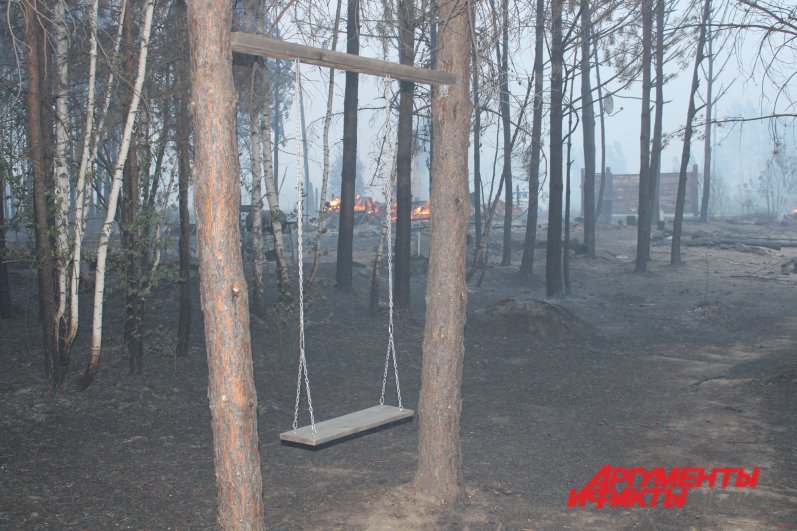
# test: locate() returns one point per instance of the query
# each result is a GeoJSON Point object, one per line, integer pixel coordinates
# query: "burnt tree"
{"type": "Point", "coordinates": [404, 144]}
{"type": "Point", "coordinates": [553, 258]}
{"type": "Point", "coordinates": [223, 290]}
{"type": "Point", "coordinates": [588, 130]}
{"type": "Point", "coordinates": [439, 474]}
{"type": "Point", "coordinates": [527, 261]}
{"type": "Point", "coordinates": [343, 271]}
{"type": "Point", "coordinates": [645, 204]}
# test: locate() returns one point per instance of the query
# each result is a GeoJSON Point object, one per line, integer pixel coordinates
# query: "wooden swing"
{"type": "Point", "coordinates": [316, 434]}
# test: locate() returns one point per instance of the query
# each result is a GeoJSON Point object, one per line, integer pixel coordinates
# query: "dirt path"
{"type": "Point", "coordinates": [690, 366]}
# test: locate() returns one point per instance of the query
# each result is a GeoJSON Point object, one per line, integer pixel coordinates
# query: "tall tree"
{"type": "Point", "coordinates": [38, 124]}
{"type": "Point", "coordinates": [506, 120]}
{"type": "Point", "coordinates": [527, 262]}
{"type": "Point", "coordinates": [656, 148]}
{"type": "Point", "coordinates": [643, 223]}
{"type": "Point", "coordinates": [477, 135]}
{"type": "Point", "coordinates": [183, 179]}
{"type": "Point", "coordinates": [588, 130]}
{"type": "Point", "coordinates": [130, 222]}
{"type": "Point", "coordinates": [680, 199]}
{"type": "Point", "coordinates": [404, 145]}
{"type": "Point", "coordinates": [6, 309]}
{"type": "Point", "coordinates": [439, 474]}
{"type": "Point", "coordinates": [343, 273]}
{"type": "Point", "coordinates": [704, 201]}
{"type": "Point", "coordinates": [225, 301]}
{"type": "Point", "coordinates": [553, 258]}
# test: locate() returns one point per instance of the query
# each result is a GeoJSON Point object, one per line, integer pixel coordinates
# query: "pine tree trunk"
{"type": "Point", "coordinates": [553, 258]}
{"type": "Point", "coordinates": [343, 273]}
{"type": "Point", "coordinates": [643, 223]}
{"type": "Point", "coordinates": [224, 296]}
{"type": "Point", "coordinates": [183, 182]}
{"type": "Point", "coordinates": [602, 187]}
{"type": "Point", "coordinates": [54, 368]}
{"type": "Point", "coordinates": [680, 200]}
{"type": "Point", "coordinates": [527, 261]}
{"type": "Point", "coordinates": [704, 202]}
{"type": "Point", "coordinates": [439, 475]}
{"type": "Point", "coordinates": [655, 156]}
{"type": "Point", "coordinates": [588, 130]}
{"type": "Point", "coordinates": [401, 288]}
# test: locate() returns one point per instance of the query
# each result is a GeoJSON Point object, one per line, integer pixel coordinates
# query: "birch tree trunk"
{"type": "Point", "coordinates": [322, 203]}
{"type": "Point", "coordinates": [224, 295]}
{"type": "Point", "coordinates": [439, 474]}
{"type": "Point", "coordinates": [102, 251]}
{"type": "Point", "coordinates": [61, 192]}
{"type": "Point", "coordinates": [277, 217]}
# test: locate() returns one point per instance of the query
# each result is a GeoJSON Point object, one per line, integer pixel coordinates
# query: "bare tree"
{"type": "Point", "coordinates": [680, 200]}
{"type": "Point", "coordinates": [588, 130]}
{"type": "Point", "coordinates": [527, 262]}
{"type": "Point", "coordinates": [553, 258]}
{"type": "Point", "coordinates": [643, 223]}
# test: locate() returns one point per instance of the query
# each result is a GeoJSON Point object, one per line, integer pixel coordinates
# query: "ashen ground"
{"type": "Point", "coordinates": [689, 366]}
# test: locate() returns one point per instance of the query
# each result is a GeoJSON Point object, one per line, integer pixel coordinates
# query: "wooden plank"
{"type": "Point", "coordinates": [260, 45]}
{"type": "Point", "coordinates": [339, 427]}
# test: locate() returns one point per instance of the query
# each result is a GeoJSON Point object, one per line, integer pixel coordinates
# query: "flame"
{"type": "Point", "coordinates": [421, 212]}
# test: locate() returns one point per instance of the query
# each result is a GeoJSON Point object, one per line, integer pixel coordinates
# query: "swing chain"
{"type": "Point", "coordinates": [391, 344]}
{"type": "Point", "coordinates": [299, 214]}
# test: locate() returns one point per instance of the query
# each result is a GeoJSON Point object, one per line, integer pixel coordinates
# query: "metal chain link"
{"type": "Point", "coordinates": [299, 214]}
{"type": "Point", "coordinates": [391, 344]}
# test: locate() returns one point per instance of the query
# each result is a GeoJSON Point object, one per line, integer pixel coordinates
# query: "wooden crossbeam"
{"type": "Point", "coordinates": [260, 45]}
{"type": "Point", "coordinates": [339, 427]}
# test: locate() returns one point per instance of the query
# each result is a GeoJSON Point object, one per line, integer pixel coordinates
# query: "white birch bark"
{"type": "Point", "coordinates": [60, 164]}
{"type": "Point", "coordinates": [102, 250]}
{"type": "Point", "coordinates": [272, 197]}
{"type": "Point", "coordinates": [80, 186]}
{"type": "Point", "coordinates": [258, 251]}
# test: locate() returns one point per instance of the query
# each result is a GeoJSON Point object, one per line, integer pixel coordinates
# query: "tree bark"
{"type": "Point", "coordinates": [588, 130]}
{"type": "Point", "coordinates": [553, 258]}
{"type": "Point", "coordinates": [527, 261]}
{"type": "Point", "coordinates": [602, 187]}
{"type": "Point", "coordinates": [643, 223]}
{"type": "Point", "coordinates": [439, 475]}
{"type": "Point", "coordinates": [343, 273]}
{"type": "Point", "coordinates": [54, 364]}
{"type": "Point", "coordinates": [404, 144]}
{"type": "Point", "coordinates": [680, 200]}
{"type": "Point", "coordinates": [183, 182]}
{"type": "Point", "coordinates": [225, 301]}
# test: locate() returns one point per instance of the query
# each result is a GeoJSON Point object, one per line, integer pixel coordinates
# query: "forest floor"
{"type": "Point", "coordinates": [683, 366]}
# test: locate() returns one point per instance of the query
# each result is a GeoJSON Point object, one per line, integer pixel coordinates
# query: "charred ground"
{"type": "Point", "coordinates": [683, 366]}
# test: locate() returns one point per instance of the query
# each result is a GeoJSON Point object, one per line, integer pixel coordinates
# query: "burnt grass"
{"type": "Point", "coordinates": [683, 366]}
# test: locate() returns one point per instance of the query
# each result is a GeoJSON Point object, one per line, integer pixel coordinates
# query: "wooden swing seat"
{"type": "Point", "coordinates": [339, 427]}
